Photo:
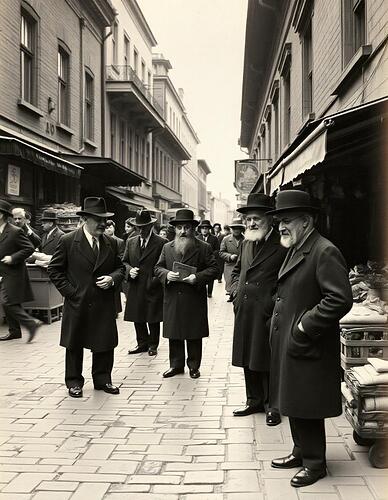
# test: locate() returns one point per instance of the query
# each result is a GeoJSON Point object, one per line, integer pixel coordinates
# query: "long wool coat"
{"type": "Point", "coordinates": [49, 243]}
{"type": "Point", "coordinates": [185, 306]}
{"type": "Point", "coordinates": [16, 285]}
{"type": "Point", "coordinates": [229, 246]}
{"type": "Point", "coordinates": [314, 289]}
{"type": "Point", "coordinates": [254, 281]}
{"type": "Point", "coordinates": [145, 293]}
{"type": "Point", "coordinates": [89, 312]}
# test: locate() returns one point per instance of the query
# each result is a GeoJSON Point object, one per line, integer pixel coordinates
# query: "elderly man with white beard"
{"type": "Point", "coordinates": [185, 299]}
{"type": "Point", "coordinates": [252, 288]}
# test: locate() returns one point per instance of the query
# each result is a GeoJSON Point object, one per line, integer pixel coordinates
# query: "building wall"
{"type": "Point", "coordinates": [190, 169]}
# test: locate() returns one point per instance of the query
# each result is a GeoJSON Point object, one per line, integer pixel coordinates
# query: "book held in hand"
{"type": "Point", "coordinates": [183, 269]}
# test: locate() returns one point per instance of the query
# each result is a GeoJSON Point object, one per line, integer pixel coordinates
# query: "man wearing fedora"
{"type": "Point", "coordinates": [253, 284]}
{"type": "Point", "coordinates": [313, 294]}
{"type": "Point", "coordinates": [15, 288]}
{"type": "Point", "coordinates": [206, 236]}
{"type": "Point", "coordinates": [86, 268]}
{"type": "Point", "coordinates": [51, 232]}
{"type": "Point", "coordinates": [230, 250]}
{"type": "Point", "coordinates": [144, 305]}
{"type": "Point", "coordinates": [185, 303]}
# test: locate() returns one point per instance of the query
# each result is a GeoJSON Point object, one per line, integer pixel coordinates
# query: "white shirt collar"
{"type": "Point", "coordinates": [49, 233]}
{"type": "Point", "coordinates": [146, 239]}
{"type": "Point", "coordinates": [89, 237]}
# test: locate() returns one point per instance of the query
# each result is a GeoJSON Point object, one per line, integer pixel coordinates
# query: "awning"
{"type": "Point", "coordinates": [10, 146]}
{"type": "Point", "coordinates": [131, 202]}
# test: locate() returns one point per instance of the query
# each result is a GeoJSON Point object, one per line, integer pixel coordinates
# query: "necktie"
{"type": "Point", "coordinates": [95, 246]}
{"type": "Point", "coordinates": [142, 246]}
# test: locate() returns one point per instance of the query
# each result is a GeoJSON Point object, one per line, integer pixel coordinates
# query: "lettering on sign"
{"type": "Point", "coordinates": [50, 128]}
{"type": "Point", "coordinates": [13, 180]}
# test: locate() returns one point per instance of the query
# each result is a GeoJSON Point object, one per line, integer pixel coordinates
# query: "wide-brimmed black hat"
{"type": "Point", "coordinates": [257, 201]}
{"type": "Point", "coordinates": [205, 223]}
{"type": "Point", "coordinates": [49, 215]}
{"type": "Point", "coordinates": [292, 200]}
{"type": "Point", "coordinates": [93, 205]}
{"type": "Point", "coordinates": [143, 218]}
{"type": "Point", "coordinates": [237, 222]}
{"type": "Point", "coordinates": [184, 216]}
{"type": "Point", "coordinates": [6, 207]}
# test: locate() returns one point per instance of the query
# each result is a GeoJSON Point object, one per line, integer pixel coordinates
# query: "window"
{"type": "Point", "coordinates": [143, 72]}
{"type": "Point", "coordinates": [28, 44]}
{"type": "Point", "coordinates": [112, 136]}
{"type": "Point", "coordinates": [353, 23]}
{"type": "Point", "coordinates": [122, 142]}
{"type": "Point", "coordinates": [269, 138]}
{"type": "Point", "coordinates": [137, 153]}
{"type": "Point", "coordinates": [149, 80]}
{"type": "Point", "coordinates": [63, 86]}
{"type": "Point", "coordinates": [275, 104]}
{"type": "Point", "coordinates": [287, 107]}
{"type": "Point", "coordinates": [89, 106]}
{"type": "Point", "coordinates": [135, 60]}
{"type": "Point", "coordinates": [115, 32]}
{"type": "Point", "coordinates": [129, 156]}
{"type": "Point", "coordinates": [307, 63]}
{"type": "Point", "coordinates": [126, 51]}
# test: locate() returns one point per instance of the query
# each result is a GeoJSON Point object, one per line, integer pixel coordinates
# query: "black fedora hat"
{"type": "Point", "coordinates": [143, 218]}
{"type": "Point", "coordinates": [184, 216]}
{"type": "Point", "coordinates": [237, 222]}
{"type": "Point", "coordinates": [257, 201]}
{"type": "Point", "coordinates": [94, 205]}
{"type": "Point", "coordinates": [49, 215]}
{"type": "Point", "coordinates": [205, 223]}
{"type": "Point", "coordinates": [292, 200]}
{"type": "Point", "coordinates": [6, 207]}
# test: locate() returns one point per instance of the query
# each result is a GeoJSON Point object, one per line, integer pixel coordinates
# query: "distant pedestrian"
{"type": "Point", "coordinates": [51, 232]}
{"type": "Point", "coordinates": [129, 230]}
{"type": "Point", "coordinates": [185, 303]}
{"type": "Point", "coordinates": [20, 220]}
{"type": "Point", "coordinates": [86, 268]}
{"type": "Point", "coordinates": [163, 233]}
{"type": "Point", "coordinates": [206, 236]}
{"type": "Point", "coordinates": [230, 250]}
{"type": "Point", "coordinates": [312, 296]}
{"type": "Point", "coordinates": [220, 263]}
{"type": "Point", "coordinates": [226, 230]}
{"type": "Point", "coordinates": [144, 304]}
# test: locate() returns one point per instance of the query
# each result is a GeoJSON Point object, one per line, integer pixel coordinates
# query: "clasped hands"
{"type": "Point", "coordinates": [172, 276]}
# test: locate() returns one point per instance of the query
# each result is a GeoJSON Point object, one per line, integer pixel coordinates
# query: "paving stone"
{"type": "Point", "coordinates": [239, 453]}
{"type": "Point", "coordinates": [95, 491]}
{"type": "Point", "coordinates": [26, 482]}
{"type": "Point", "coordinates": [139, 496]}
{"type": "Point", "coordinates": [241, 481]}
{"type": "Point", "coordinates": [57, 486]}
{"type": "Point", "coordinates": [103, 478]}
{"type": "Point", "coordinates": [52, 495]}
{"type": "Point", "coordinates": [203, 477]}
{"type": "Point", "coordinates": [151, 479]}
{"type": "Point", "coordinates": [280, 489]}
{"type": "Point", "coordinates": [378, 486]}
{"type": "Point", "coordinates": [99, 451]}
{"type": "Point", "coordinates": [206, 450]}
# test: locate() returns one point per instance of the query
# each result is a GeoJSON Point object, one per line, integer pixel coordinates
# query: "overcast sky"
{"type": "Point", "coordinates": [204, 41]}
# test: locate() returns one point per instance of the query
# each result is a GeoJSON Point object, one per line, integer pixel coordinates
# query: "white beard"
{"type": "Point", "coordinates": [286, 241]}
{"type": "Point", "coordinates": [255, 234]}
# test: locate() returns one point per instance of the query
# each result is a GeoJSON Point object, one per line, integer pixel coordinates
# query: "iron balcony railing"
{"type": "Point", "coordinates": [127, 74]}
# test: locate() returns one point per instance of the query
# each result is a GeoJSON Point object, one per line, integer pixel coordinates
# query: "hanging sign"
{"type": "Point", "coordinates": [13, 180]}
{"type": "Point", "coordinates": [246, 174]}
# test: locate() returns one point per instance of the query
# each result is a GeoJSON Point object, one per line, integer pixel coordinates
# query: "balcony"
{"type": "Point", "coordinates": [128, 92]}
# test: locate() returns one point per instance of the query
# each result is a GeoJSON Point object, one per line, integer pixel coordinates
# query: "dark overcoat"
{"type": "Point", "coordinates": [184, 305]}
{"type": "Point", "coordinates": [314, 289]}
{"type": "Point", "coordinates": [121, 247]}
{"type": "Point", "coordinates": [89, 314]}
{"type": "Point", "coordinates": [229, 246]}
{"type": "Point", "coordinates": [49, 243]}
{"type": "Point", "coordinates": [15, 283]}
{"type": "Point", "coordinates": [145, 292]}
{"type": "Point", "coordinates": [254, 279]}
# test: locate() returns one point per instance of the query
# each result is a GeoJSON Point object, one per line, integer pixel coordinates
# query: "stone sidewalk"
{"type": "Point", "coordinates": [159, 439]}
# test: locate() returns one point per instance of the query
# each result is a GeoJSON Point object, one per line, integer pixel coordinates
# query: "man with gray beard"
{"type": "Point", "coordinates": [185, 299]}
{"type": "Point", "coordinates": [252, 287]}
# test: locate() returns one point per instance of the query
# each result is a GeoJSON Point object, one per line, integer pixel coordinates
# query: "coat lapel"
{"type": "Point", "coordinates": [191, 253]}
{"type": "Point", "coordinates": [84, 248]}
{"type": "Point", "coordinates": [105, 248]}
{"type": "Point", "coordinates": [4, 234]}
{"type": "Point", "coordinates": [291, 263]}
{"type": "Point", "coordinates": [148, 249]}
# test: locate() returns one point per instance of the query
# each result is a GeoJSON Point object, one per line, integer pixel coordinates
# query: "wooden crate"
{"type": "Point", "coordinates": [363, 342]}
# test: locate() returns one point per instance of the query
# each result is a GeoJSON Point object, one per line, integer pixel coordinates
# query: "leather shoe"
{"type": "Point", "coordinates": [307, 476]}
{"type": "Point", "coordinates": [171, 372]}
{"type": "Point", "coordinates": [288, 462]}
{"type": "Point", "coordinates": [247, 410]}
{"type": "Point", "coordinates": [272, 418]}
{"type": "Point", "coordinates": [152, 352]}
{"type": "Point", "coordinates": [10, 336]}
{"type": "Point", "coordinates": [108, 388]}
{"type": "Point", "coordinates": [209, 295]}
{"type": "Point", "coordinates": [75, 392]}
{"type": "Point", "coordinates": [137, 350]}
{"type": "Point", "coordinates": [33, 330]}
{"type": "Point", "coordinates": [195, 373]}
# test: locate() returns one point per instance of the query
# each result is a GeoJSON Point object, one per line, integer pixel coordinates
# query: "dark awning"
{"type": "Point", "coordinates": [129, 199]}
{"type": "Point", "coordinates": [11, 146]}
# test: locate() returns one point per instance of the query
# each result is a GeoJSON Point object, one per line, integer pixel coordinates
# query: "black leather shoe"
{"type": "Point", "coordinates": [75, 392]}
{"type": "Point", "coordinates": [152, 352]}
{"type": "Point", "coordinates": [109, 388]}
{"type": "Point", "coordinates": [307, 476]}
{"type": "Point", "coordinates": [209, 295]}
{"type": "Point", "coordinates": [288, 462]}
{"type": "Point", "coordinates": [272, 418]}
{"type": "Point", "coordinates": [33, 330]}
{"type": "Point", "coordinates": [10, 336]}
{"type": "Point", "coordinates": [247, 410]}
{"type": "Point", "coordinates": [137, 350]}
{"type": "Point", "coordinates": [195, 373]}
{"type": "Point", "coordinates": [171, 372]}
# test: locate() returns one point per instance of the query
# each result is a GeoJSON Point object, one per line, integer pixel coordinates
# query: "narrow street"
{"type": "Point", "coordinates": [162, 439]}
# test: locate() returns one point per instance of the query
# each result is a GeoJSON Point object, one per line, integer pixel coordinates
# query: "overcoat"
{"type": "Point", "coordinates": [213, 242]}
{"type": "Point", "coordinates": [15, 283]}
{"type": "Point", "coordinates": [49, 243]}
{"type": "Point", "coordinates": [121, 248]}
{"type": "Point", "coordinates": [314, 289]}
{"type": "Point", "coordinates": [220, 262]}
{"type": "Point", "coordinates": [89, 315]}
{"type": "Point", "coordinates": [184, 305]}
{"type": "Point", "coordinates": [254, 280]}
{"type": "Point", "coordinates": [229, 246]}
{"type": "Point", "coordinates": [145, 292]}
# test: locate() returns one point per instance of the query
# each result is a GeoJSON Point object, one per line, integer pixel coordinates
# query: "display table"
{"type": "Point", "coordinates": [46, 296]}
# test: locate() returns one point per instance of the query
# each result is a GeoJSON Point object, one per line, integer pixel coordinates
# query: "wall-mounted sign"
{"type": "Point", "coordinates": [245, 175]}
{"type": "Point", "coordinates": [13, 180]}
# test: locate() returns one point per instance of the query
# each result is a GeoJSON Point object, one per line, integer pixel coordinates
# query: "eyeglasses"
{"type": "Point", "coordinates": [286, 221]}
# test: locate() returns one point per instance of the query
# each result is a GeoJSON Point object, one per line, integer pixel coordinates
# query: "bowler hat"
{"type": "Point", "coordinates": [184, 216]}
{"type": "Point", "coordinates": [257, 201]}
{"type": "Point", "coordinates": [49, 215]}
{"type": "Point", "coordinates": [291, 200]}
{"type": "Point", "coordinates": [205, 223]}
{"type": "Point", "coordinates": [5, 207]}
{"type": "Point", "coordinates": [93, 205]}
{"type": "Point", "coordinates": [237, 222]}
{"type": "Point", "coordinates": [143, 217]}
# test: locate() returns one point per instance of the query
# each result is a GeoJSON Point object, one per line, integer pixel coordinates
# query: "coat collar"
{"type": "Point", "coordinates": [148, 249]}
{"type": "Point", "coordinates": [299, 256]}
{"type": "Point", "coordinates": [86, 250]}
{"type": "Point", "coordinates": [269, 247]}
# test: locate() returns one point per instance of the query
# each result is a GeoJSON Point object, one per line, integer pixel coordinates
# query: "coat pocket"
{"type": "Point", "coordinates": [301, 346]}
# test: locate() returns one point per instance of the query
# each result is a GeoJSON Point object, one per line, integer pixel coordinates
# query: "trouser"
{"type": "Point", "coordinates": [16, 316]}
{"type": "Point", "coordinates": [102, 365]}
{"type": "Point", "coordinates": [257, 389]}
{"type": "Point", "coordinates": [210, 286]}
{"type": "Point", "coordinates": [149, 340]}
{"type": "Point", "coordinates": [177, 353]}
{"type": "Point", "coordinates": [309, 439]}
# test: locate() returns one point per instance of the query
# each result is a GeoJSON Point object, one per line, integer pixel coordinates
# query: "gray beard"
{"type": "Point", "coordinates": [254, 234]}
{"type": "Point", "coordinates": [183, 245]}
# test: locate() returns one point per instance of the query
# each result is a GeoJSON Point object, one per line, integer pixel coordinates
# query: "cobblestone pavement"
{"type": "Point", "coordinates": [159, 439]}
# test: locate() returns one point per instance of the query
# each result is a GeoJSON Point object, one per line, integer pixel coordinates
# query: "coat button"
{"type": "Point", "coordinates": [278, 299]}
{"type": "Point", "coordinates": [276, 328]}
{"type": "Point", "coordinates": [257, 284]}
{"type": "Point", "coordinates": [247, 282]}
{"type": "Point", "coordinates": [245, 296]}
{"type": "Point", "coordinates": [276, 314]}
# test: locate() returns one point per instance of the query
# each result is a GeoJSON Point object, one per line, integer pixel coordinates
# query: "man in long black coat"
{"type": "Point", "coordinates": [253, 285]}
{"type": "Point", "coordinates": [15, 286]}
{"type": "Point", "coordinates": [86, 268]}
{"type": "Point", "coordinates": [313, 294]}
{"type": "Point", "coordinates": [206, 236]}
{"type": "Point", "coordinates": [185, 303]}
{"type": "Point", "coordinates": [144, 305]}
{"type": "Point", "coordinates": [51, 232]}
